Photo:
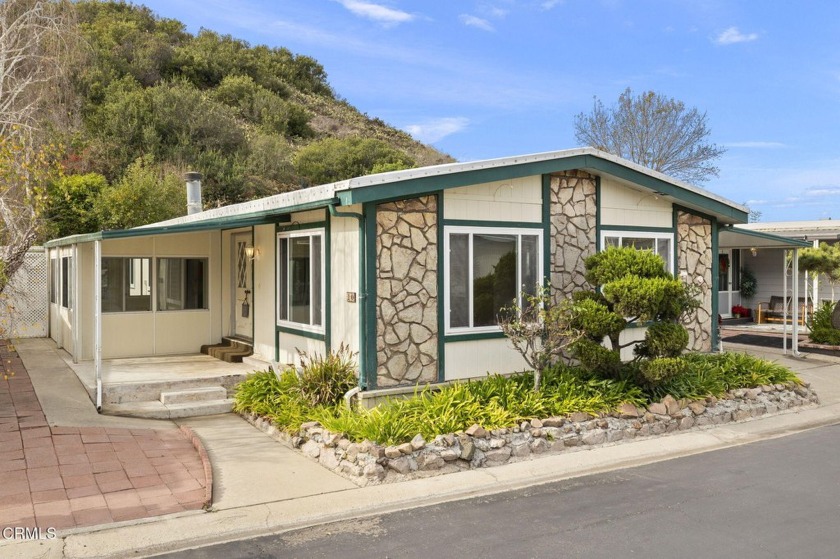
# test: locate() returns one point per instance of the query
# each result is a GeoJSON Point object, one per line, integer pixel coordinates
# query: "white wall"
{"type": "Point", "coordinates": [509, 200]}
{"type": "Point", "coordinates": [344, 277]}
{"type": "Point", "coordinates": [624, 206]}
{"type": "Point", "coordinates": [264, 291]}
{"type": "Point", "coordinates": [477, 358]}
{"type": "Point", "coordinates": [289, 344]}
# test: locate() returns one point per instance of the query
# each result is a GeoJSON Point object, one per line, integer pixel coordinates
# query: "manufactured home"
{"type": "Point", "coordinates": [407, 268]}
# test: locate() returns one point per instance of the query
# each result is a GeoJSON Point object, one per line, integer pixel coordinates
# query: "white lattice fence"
{"type": "Point", "coordinates": [24, 304]}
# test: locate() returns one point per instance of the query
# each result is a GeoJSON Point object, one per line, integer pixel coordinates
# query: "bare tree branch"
{"type": "Point", "coordinates": [655, 131]}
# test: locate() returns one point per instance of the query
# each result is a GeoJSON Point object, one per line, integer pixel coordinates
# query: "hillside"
{"type": "Point", "coordinates": [152, 101]}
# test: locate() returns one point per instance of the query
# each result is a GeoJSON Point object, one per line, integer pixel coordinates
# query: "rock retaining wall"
{"type": "Point", "coordinates": [371, 463]}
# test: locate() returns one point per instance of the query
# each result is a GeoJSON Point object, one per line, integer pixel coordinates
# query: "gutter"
{"type": "Point", "coordinates": [362, 291]}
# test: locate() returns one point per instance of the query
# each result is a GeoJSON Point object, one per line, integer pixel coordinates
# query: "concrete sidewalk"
{"type": "Point", "coordinates": [263, 487]}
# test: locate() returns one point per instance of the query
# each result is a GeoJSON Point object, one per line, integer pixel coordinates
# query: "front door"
{"type": "Point", "coordinates": [242, 313]}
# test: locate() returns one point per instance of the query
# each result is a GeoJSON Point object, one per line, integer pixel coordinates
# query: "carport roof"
{"type": "Point", "coordinates": [739, 237]}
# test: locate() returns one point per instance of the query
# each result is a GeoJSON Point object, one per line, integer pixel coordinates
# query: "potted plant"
{"type": "Point", "coordinates": [738, 311]}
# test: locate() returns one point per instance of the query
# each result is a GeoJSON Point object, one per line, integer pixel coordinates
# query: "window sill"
{"type": "Point", "coordinates": [300, 331]}
{"type": "Point", "coordinates": [472, 336]}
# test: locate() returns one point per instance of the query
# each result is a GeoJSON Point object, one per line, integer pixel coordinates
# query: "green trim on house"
{"type": "Point", "coordinates": [546, 224]}
{"type": "Point", "coordinates": [675, 224]}
{"type": "Point", "coordinates": [369, 335]}
{"type": "Point", "coordinates": [715, 286]}
{"type": "Point", "coordinates": [491, 223]}
{"type": "Point", "coordinates": [454, 338]}
{"type": "Point", "coordinates": [597, 214]}
{"type": "Point", "coordinates": [327, 281]}
{"type": "Point", "coordinates": [434, 182]}
{"type": "Point", "coordinates": [638, 228]}
{"type": "Point", "coordinates": [301, 333]}
{"type": "Point", "coordinates": [441, 369]}
{"type": "Point", "coordinates": [792, 243]}
{"type": "Point", "coordinates": [301, 226]}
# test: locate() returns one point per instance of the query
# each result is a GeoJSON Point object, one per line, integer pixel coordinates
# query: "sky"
{"type": "Point", "coordinates": [480, 79]}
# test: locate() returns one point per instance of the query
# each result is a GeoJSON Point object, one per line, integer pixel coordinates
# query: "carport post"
{"type": "Point", "coordinates": [794, 343]}
{"type": "Point", "coordinates": [97, 320]}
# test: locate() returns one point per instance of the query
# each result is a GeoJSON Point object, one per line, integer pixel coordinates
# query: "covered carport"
{"type": "Point", "coordinates": [738, 238]}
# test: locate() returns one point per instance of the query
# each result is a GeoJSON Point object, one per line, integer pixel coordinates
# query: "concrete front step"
{"type": "Point", "coordinates": [159, 410]}
{"type": "Point", "coordinates": [257, 362]}
{"type": "Point", "coordinates": [128, 392]}
{"type": "Point", "coordinates": [201, 394]}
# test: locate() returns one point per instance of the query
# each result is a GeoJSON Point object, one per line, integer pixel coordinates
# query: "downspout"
{"type": "Point", "coordinates": [97, 321]}
{"type": "Point", "coordinates": [362, 291]}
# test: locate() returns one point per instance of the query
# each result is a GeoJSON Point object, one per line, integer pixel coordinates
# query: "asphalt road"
{"type": "Point", "coordinates": [776, 498]}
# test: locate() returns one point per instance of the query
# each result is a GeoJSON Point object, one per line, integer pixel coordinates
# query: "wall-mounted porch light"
{"type": "Point", "coordinates": [754, 251]}
{"type": "Point", "coordinates": [252, 253]}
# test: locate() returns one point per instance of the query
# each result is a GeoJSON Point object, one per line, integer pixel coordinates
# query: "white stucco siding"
{"type": "Point", "coordinates": [509, 200]}
{"type": "Point", "coordinates": [128, 335]}
{"type": "Point", "coordinates": [627, 207]}
{"type": "Point", "coordinates": [86, 301]}
{"type": "Point", "coordinates": [264, 291]}
{"type": "Point", "coordinates": [290, 343]}
{"type": "Point", "coordinates": [478, 358]}
{"type": "Point", "coordinates": [312, 216]}
{"type": "Point", "coordinates": [344, 279]}
{"type": "Point", "coordinates": [181, 331]}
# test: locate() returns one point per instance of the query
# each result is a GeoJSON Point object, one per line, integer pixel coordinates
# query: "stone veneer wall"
{"type": "Point", "coordinates": [694, 261]}
{"type": "Point", "coordinates": [573, 230]}
{"type": "Point", "coordinates": [406, 292]}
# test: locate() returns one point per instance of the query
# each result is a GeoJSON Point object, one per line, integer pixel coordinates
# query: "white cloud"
{"type": "Point", "coordinates": [733, 35]}
{"type": "Point", "coordinates": [473, 21]}
{"type": "Point", "coordinates": [548, 4]}
{"type": "Point", "coordinates": [435, 130]}
{"type": "Point", "coordinates": [381, 14]}
{"type": "Point", "coordinates": [824, 191]}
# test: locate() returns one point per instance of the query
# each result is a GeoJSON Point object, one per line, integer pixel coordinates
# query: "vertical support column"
{"type": "Point", "coordinates": [794, 344]}
{"type": "Point", "coordinates": [76, 303]}
{"type": "Point", "coordinates": [97, 320]}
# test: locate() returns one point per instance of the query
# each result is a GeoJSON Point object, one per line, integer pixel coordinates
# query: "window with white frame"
{"type": "Point", "coordinates": [300, 279]}
{"type": "Point", "coordinates": [126, 284]}
{"type": "Point", "coordinates": [487, 268]}
{"type": "Point", "coordinates": [657, 242]}
{"type": "Point", "coordinates": [181, 284]}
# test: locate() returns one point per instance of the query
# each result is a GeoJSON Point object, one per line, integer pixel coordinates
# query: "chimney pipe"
{"type": "Point", "coordinates": [193, 193]}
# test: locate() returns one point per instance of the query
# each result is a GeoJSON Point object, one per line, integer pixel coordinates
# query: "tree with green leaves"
{"type": "Point", "coordinates": [333, 159]}
{"type": "Point", "coordinates": [71, 204]}
{"type": "Point", "coordinates": [147, 193]}
{"type": "Point", "coordinates": [655, 131]}
{"type": "Point", "coordinates": [823, 260]}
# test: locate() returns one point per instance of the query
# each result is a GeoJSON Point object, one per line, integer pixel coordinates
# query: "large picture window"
{"type": "Point", "coordinates": [659, 243]}
{"type": "Point", "coordinates": [126, 284]}
{"type": "Point", "coordinates": [182, 284]}
{"type": "Point", "coordinates": [487, 269]}
{"type": "Point", "coordinates": [300, 279]}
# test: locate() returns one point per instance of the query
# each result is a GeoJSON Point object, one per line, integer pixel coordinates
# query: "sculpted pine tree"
{"type": "Point", "coordinates": [654, 131]}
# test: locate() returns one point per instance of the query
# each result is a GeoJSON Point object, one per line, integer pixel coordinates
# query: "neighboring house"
{"type": "Point", "coordinates": [408, 268]}
{"type": "Point", "coordinates": [774, 272]}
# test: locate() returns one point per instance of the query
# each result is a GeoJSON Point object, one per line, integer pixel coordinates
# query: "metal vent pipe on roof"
{"type": "Point", "coordinates": [194, 204]}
